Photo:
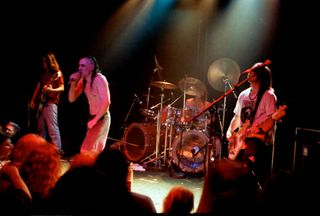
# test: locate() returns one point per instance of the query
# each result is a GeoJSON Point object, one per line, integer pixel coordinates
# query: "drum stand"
{"type": "Point", "coordinates": [157, 158]}
{"type": "Point", "coordinates": [166, 153]}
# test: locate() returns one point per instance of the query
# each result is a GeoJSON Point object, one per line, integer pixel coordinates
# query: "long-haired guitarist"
{"type": "Point", "coordinates": [46, 97]}
{"type": "Point", "coordinates": [251, 130]}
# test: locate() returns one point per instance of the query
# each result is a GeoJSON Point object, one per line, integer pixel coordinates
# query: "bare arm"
{"type": "Point", "coordinates": [234, 124]}
{"type": "Point", "coordinates": [76, 89]}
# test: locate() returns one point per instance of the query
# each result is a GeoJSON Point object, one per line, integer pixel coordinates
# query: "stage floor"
{"type": "Point", "coordinates": [156, 183]}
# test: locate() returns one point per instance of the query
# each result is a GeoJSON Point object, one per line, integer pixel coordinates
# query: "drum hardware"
{"type": "Point", "coordinates": [156, 160]}
{"type": "Point", "coordinates": [192, 86]}
{"type": "Point", "coordinates": [163, 85]}
{"type": "Point", "coordinates": [221, 69]}
{"type": "Point", "coordinates": [135, 100]}
{"type": "Point", "coordinates": [223, 74]}
{"type": "Point", "coordinates": [148, 113]}
{"type": "Point", "coordinates": [158, 104]}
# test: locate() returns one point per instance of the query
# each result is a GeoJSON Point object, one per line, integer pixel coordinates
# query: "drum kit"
{"type": "Point", "coordinates": [169, 136]}
{"type": "Point", "coordinates": [183, 137]}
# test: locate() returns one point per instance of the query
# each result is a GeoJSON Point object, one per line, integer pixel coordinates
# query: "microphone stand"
{"type": "Point", "coordinates": [124, 124]}
{"type": "Point", "coordinates": [220, 98]}
{"type": "Point", "coordinates": [226, 93]}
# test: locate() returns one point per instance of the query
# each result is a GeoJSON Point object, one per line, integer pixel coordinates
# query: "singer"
{"type": "Point", "coordinates": [251, 130]}
{"type": "Point", "coordinates": [47, 97]}
{"type": "Point", "coordinates": [90, 81]}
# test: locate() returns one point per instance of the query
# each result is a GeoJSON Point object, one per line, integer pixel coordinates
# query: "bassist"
{"type": "Point", "coordinates": [252, 128]}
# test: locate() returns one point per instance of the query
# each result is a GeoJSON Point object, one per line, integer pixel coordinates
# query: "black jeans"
{"type": "Point", "coordinates": [261, 166]}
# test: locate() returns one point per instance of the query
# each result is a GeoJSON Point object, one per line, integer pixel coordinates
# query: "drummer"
{"type": "Point", "coordinates": [194, 105]}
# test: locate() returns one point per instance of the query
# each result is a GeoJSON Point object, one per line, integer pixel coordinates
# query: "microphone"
{"type": "Point", "coordinates": [137, 98]}
{"type": "Point", "coordinates": [195, 151]}
{"type": "Point", "coordinates": [258, 66]}
{"type": "Point", "coordinates": [75, 76]}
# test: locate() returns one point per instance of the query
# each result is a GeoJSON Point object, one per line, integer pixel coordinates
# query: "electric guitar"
{"type": "Point", "coordinates": [43, 95]}
{"type": "Point", "coordinates": [238, 142]}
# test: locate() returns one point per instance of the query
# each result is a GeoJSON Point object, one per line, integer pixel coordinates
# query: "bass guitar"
{"type": "Point", "coordinates": [243, 132]}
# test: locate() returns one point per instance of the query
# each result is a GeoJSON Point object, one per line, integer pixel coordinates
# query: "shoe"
{"type": "Point", "coordinates": [138, 167]}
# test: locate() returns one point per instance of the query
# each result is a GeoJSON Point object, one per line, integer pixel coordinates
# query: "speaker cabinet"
{"type": "Point", "coordinates": [306, 151]}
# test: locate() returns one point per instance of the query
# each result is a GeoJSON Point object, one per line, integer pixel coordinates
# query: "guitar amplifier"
{"type": "Point", "coordinates": [306, 158]}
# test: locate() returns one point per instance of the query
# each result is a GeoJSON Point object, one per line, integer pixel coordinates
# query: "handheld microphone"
{"type": "Point", "coordinates": [75, 76]}
{"type": "Point", "coordinates": [257, 66]}
{"type": "Point", "coordinates": [195, 150]}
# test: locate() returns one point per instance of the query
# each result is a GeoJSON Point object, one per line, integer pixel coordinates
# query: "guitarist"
{"type": "Point", "coordinates": [47, 92]}
{"type": "Point", "coordinates": [252, 128]}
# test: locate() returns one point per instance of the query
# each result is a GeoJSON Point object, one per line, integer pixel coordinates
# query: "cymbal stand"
{"type": "Point", "coordinates": [149, 90]}
{"type": "Point", "coordinates": [167, 125]}
{"type": "Point", "coordinates": [226, 86]}
{"type": "Point", "coordinates": [181, 123]}
{"type": "Point", "coordinates": [148, 98]}
{"type": "Point", "coordinates": [157, 162]}
{"type": "Point", "coordinates": [226, 93]}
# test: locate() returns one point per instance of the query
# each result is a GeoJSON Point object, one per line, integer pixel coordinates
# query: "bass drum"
{"type": "Point", "coordinates": [140, 141]}
{"type": "Point", "coordinates": [189, 151]}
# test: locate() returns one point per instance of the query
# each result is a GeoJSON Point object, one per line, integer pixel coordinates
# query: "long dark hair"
{"type": "Point", "coordinates": [96, 68]}
{"type": "Point", "coordinates": [52, 63]}
{"type": "Point", "coordinates": [265, 77]}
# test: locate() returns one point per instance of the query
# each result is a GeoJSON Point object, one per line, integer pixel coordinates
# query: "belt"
{"type": "Point", "coordinates": [102, 117]}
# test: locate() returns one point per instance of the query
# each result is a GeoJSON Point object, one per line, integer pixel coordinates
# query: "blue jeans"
{"type": "Point", "coordinates": [48, 126]}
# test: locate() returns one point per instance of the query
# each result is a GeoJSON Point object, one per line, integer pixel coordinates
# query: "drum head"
{"type": "Point", "coordinates": [189, 151]}
{"type": "Point", "coordinates": [139, 141]}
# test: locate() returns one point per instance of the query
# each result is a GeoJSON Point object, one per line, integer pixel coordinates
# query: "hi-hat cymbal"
{"type": "Point", "coordinates": [163, 85]}
{"type": "Point", "coordinates": [223, 71]}
{"type": "Point", "coordinates": [192, 86]}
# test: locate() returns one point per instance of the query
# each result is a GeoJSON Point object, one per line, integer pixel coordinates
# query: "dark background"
{"type": "Point", "coordinates": [70, 31]}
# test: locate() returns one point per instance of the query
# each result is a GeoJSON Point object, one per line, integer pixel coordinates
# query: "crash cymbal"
{"type": "Point", "coordinates": [192, 86]}
{"type": "Point", "coordinates": [221, 71]}
{"type": "Point", "coordinates": [163, 85]}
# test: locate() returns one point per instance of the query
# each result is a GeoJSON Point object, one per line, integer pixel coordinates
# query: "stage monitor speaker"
{"type": "Point", "coordinates": [306, 158]}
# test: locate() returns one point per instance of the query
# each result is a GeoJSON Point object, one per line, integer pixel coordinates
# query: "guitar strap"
{"type": "Point", "coordinates": [253, 114]}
